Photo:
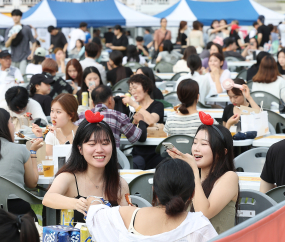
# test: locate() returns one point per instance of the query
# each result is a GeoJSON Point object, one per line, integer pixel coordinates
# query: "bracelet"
{"type": "Point", "coordinates": [33, 152]}
{"type": "Point", "coordinates": [138, 108]}
{"type": "Point", "coordinates": [33, 157]}
{"type": "Point", "coordinates": [97, 200]}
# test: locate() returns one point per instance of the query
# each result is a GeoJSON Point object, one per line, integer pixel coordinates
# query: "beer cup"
{"type": "Point", "coordinates": [48, 167]}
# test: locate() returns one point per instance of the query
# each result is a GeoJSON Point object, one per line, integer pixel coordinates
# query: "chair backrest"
{"type": "Point", "coordinates": [139, 201]}
{"type": "Point", "coordinates": [121, 85]}
{"type": "Point", "coordinates": [249, 84]}
{"type": "Point", "coordinates": [251, 160]}
{"type": "Point", "coordinates": [163, 67]}
{"type": "Point", "coordinates": [233, 68]}
{"type": "Point", "coordinates": [201, 105]}
{"type": "Point", "coordinates": [27, 77]}
{"type": "Point", "coordinates": [252, 203]}
{"type": "Point", "coordinates": [118, 93]}
{"type": "Point", "coordinates": [133, 65]}
{"type": "Point", "coordinates": [172, 98]}
{"type": "Point", "coordinates": [178, 75]}
{"type": "Point", "coordinates": [242, 74]}
{"type": "Point", "coordinates": [277, 121]}
{"type": "Point", "coordinates": [8, 187]}
{"type": "Point", "coordinates": [277, 194]}
{"type": "Point", "coordinates": [271, 128]}
{"type": "Point", "coordinates": [182, 142]}
{"type": "Point", "coordinates": [123, 160]}
{"type": "Point", "coordinates": [266, 97]}
{"type": "Point", "coordinates": [142, 186]}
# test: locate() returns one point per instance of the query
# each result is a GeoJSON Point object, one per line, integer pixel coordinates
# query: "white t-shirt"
{"type": "Point", "coordinates": [281, 28]}
{"type": "Point", "coordinates": [75, 35]}
{"type": "Point", "coordinates": [33, 107]}
{"type": "Point", "coordinates": [180, 66]}
{"type": "Point", "coordinates": [33, 69]}
{"type": "Point", "coordinates": [225, 75]}
{"type": "Point", "coordinates": [51, 139]}
{"type": "Point", "coordinates": [106, 224]}
{"type": "Point", "coordinates": [141, 62]}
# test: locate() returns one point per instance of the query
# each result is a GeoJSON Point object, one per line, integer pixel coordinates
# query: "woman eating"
{"type": "Point", "coordinates": [91, 79]}
{"type": "Point", "coordinates": [74, 73]}
{"type": "Point", "coordinates": [144, 157]}
{"type": "Point", "coordinates": [63, 114]}
{"type": "Point", "coordinates": [216, 184]}
{"type": "Point", "coordinates": [248, 50]}
{"type": "Point", "coordinates": [238, 97]}
{"type": "Point", "coordinates": [90, 171]}
{"type": "Point", "coordinates": [17, 163]}
{"type": "Point", "coordinates": [167, 220]}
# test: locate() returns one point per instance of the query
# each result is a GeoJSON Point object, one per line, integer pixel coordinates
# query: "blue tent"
{"type": "Point", "coordinates": [245, 11]}
{"type": "Point", "coordinates": [95, 14]}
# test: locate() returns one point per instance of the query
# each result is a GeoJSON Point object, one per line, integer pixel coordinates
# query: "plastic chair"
{"type": "Point", "coordinates": [121, 85]}
{"type": "Point", "coordinates": [277, 121]}
{"type": "Point", "coordinates": [181, 141]}
{"type": "Point", "coordinates": [142, 186]}
{"type": "Point", "coordinates": [178, 75]}
{"type": "Point", "coordinates": [139, 201]}
{"type": "Point", "coordinates": [271, 129]}
{"type": "Point", "coordinates": [252, 203]}
{"type": "Point", "coordinates": [123, 160]}
{"type": "Point", "coordinates": [201, 105]}
{"type": "Point", "coordinates": [266, 97]}
{"type": "Point", "coordinates": [118, 93]}
{"type": "Point", "coordinates": [27, 77]}
{"type": "Point", "coordinates": [133, 65]}
{"type": "Point", "coordinates": [277, 194]}
{"type": "Point", "coordinates": [249, 84]}
{"type": "Point", "coordinates": [250, 162]}
{"type": "Point", "coordinates": [233, 68]}
{"type": "Point", "coordinates": [163, 67]}
{"type": "Point", "coordinates": [172, 98]}
{"type": "Point", "coordinates": [242, 74]}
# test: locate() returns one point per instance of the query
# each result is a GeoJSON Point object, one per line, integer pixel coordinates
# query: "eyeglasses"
{"type": "Point", "coordinates": [7, 58]}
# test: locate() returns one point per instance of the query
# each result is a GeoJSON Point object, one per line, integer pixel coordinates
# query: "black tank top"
{"type": "Point", "coordinates": [78, 217]}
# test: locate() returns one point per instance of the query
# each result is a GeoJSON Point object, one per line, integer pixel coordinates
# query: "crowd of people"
{"type": "Point", "coordinates": [191, 209]}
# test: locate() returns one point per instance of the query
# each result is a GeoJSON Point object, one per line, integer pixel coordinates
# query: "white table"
{"type": "Point", "coordinates": [268, 140]}
{"type": "Point", "coordinates": [241, 63]}
{"type": "Point", "coordinates": [249, 180]}
{"type": "Point", "coordinates": [165, 76]}
{"type": "Point", "coordinates": [156, 141]}
{"type": "Point", "coordinates": [221, 98]}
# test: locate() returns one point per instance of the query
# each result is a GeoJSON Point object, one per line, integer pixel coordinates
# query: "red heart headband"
{"type": "Point", "coordinates": [206, 118]}
{"type": "Point", "coordinates": [93, 117]}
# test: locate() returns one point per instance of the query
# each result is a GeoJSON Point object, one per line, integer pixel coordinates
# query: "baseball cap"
{"type": "Point", "coordinates": [40, 52]}
{"type": "Point", "coordinates": [235, 26]}
{"type": "Point", "coordinates": [39, 78]}
{"type": "Point", "coordinates": [261, 18]}
{"type": "Point", "coordinates": [4, 53]}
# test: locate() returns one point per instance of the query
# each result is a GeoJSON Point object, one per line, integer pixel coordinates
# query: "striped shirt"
{"type": "Point", "coordinates": [186, 124]}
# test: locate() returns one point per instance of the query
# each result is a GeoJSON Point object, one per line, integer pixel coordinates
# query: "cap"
{"type": "Point", "coordinates": [261, 18]}
{"type": "Point", "coordinates": [4, 53]}
{"type": "Point", "coordinates": [38, 78]}
{"type": "Point", "coordinates": [40, 52]}
{"type": "Point", "coordinates": [235, 26]}
{"type": "Point", "coordinates": [228, 41]}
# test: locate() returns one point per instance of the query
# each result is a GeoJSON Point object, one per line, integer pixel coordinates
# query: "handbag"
{"type": "Point", "coordinates": [159, 48]}
{"type": "Point", "coordinates": [19, 37]}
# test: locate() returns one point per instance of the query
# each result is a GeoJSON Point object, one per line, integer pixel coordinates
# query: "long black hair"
{"type": "Point", "coordinates": [173, 186]}
{"type": "Point", "coordinates": [84, 88]}
{"type": "Point", "coordinates": [17, 228]}
{"type": "Point", "coordinates": [77, 163]}
{"type": "Point", "coordinates": [117, 57]}
{"type": "Point", "coordinates": [4, 128]}
{"type": "Point", "coordinates": [279, 66]}
{"type": "Point", "coordinates": [132, 54]}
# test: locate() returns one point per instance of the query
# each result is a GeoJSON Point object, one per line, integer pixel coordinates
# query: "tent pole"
{"type": "Point", "coordinates": [91, 32]}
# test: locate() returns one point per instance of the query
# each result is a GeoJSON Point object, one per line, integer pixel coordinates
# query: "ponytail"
{"type": "Point", "coordinates": [183, 109]}
{"type": "Point", "coordinates": [33, 90]}
{"type": "Point", "coordinates": [17, 228]}
{"type": "Point", "coordinates": [175, 206]}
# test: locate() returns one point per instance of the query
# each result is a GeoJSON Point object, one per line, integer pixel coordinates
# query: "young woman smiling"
{"type": "Point", "coordinates": [216, 185]}
{"type": "Point", "coordinates": [91, 171]}
{"type": "Point", "coordinates": [63, 114]}
{"type": "Point", "coordinates": [231, 114]}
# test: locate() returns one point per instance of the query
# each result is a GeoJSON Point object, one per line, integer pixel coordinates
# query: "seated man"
{"type": "Point", "coordinates": [230, 48]}
{"type": "Point", "coordinates": [119, 122]}
{"type": "Point", "coordinates": [142, 49]}
{"type": "Point", "coordinates": [9, 75]}
{"type": "Point", "coordinates": [272, 174]}
{"type": "Point", "coordinates": [18, 103]}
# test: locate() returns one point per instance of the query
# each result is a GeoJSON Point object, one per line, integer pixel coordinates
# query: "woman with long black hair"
{"type": "Point", "coordinates": [90, 171]}
{"type": "Point", "coordinates": [216, 184]}
{"type": "Point", "coordinates": [133, 56]}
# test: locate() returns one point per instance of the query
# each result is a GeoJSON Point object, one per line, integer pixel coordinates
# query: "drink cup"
{"type": "Point", "coordinates": [48, 167]}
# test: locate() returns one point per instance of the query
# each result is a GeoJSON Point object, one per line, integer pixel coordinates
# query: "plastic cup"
{"type": "Point", "coordinates": [48, 167]}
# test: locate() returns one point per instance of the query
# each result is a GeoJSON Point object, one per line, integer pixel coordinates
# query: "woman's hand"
{"type": "Point", "coordinates": [128, 100]}
{"type": "Point", "coordinates": [245, 91]}
{"type": "Point", "coordinates": [81, 205]}
{"type": "Point", "coordinates": [36, 144]}
{"type": "Point", "coordinates": [37, 130]}
{"type": "Point", "coordinates": [91, 88]}
{"type": "Point", "coordinates": [74, 86]}
{"type": "Point", "coordinates": [137, 117]}
{"type": "Point", "coordinates": [232, 121]}
{"type": "Point", "coordinates": [215, 71]}
{"type": "Point", "coordinates": [176, 154]}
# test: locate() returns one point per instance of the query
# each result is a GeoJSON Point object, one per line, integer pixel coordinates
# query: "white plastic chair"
{"type": "Point", "coordinates": [123, 160]}
{"type": "Point", "coordinates": [139, 201]}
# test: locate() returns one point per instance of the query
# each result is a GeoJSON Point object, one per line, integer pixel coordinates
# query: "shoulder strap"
{"type": "Point", "coordinates": [132, 223]}
{"type": "Point", "coordinates": [76, 185]}
{"type": "Point", "coordinates": [163, 38]}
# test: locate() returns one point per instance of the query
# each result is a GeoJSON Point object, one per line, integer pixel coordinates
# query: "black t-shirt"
{"type": "Point", "coordinates": [265, 31]}
{"type": "Point", "coordinates": [58, 40]}
{"type": "Point", "coordinates": [140, 52]}
{"type": "Point", "coordinates": [112, 74]}
{"type": "Point", "coordinates": [182, 38]}
{"type": "Point", "coordinates": [122, 41]}
{"type": "Point", "coordinates": [236, 36]}
{"type": "Point", "coordinates": [44, 101]}
{"type": "Point", "coordinates": [108, 37]}
{"type": "Point", "coordinates": [234, 54]}
{"type": "Point", "coordinates": [157, 94]}
{"type": "Point", "coordinates": [274, 166]}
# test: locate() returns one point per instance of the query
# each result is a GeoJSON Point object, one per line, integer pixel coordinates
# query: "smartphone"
{"type": "Point", "coordinates": [68, 81]}
{"type": "Point", "coordinates": [91, 83]}
{"type": "Point", "coordinates": [169, 146]}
